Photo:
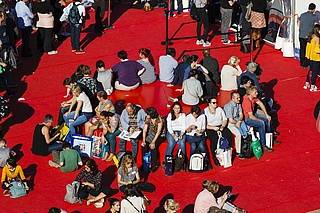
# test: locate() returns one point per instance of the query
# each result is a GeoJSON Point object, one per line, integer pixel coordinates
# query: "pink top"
{"type": "Point", "coordinates": [204, 201]}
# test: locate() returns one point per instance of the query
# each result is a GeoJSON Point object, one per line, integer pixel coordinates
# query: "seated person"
{"type": "Point", "coordinates": [127, 72]}
{"type": "Point", "coordinates": [179, 71]}
{"type": "Point", "coordinates": [206, 199]}
{"type": "Point", "coordinates": [236, 122]}
{"type": "Point", "coordinates": [67, 160]}
{"type": "Point", "coordinates": [132, 119]}
{"type": "Point", "coordinates": [12, 172]}
{"type": "Point", "coordinates": [262, 123]}
{"type": "Point", "coordinates": [212, 65]}
{"type": "Point", "coordinates": [195, 132]}
{"type": "Point", "coordinates": [43, 144]}
{"type": "Point", "coordinates": [86, 80]}
{"type": "Point", "coordinates": [170, 206]}
{"type": "Point", "coordinates": [192, 90]}
{"type": "Point", "coordinates": [103, 78]}
{"type": "Point", "coordinates": [105, 104]}
{"type": "Point", "coordinates": [82, 113]}
{"type": "Point", "coordinates": [149, 75]}
{"type": "Point", "coordinates": [56, 210]}
{"type": "Point", "coordinates": [128, 173]}
{"type": "Point", "coordinates": [250, 72]}
{"type": "Point", "coordinates": [78, 74]}
{"type": "Point", "coordinates": [110, 123]}
{"type": "Point", "coordinates": [91, 177]}
{"type": "Point", "coordinates": [65, 105]}
{"type": "Point", "coordinates": [167, 64]}
{"type": "Point", "coordinates": [5, 153]}
{"type": "Point", "coordinates": [152, 136]}
{"type": "Point", "coordinates": [244, 83]}
{"type": "Point", "coordinates": [114, 205]}
{"type": "Point", "coordinates": [133, 202]}
{"type": "Point", "coordinates": [229, 74]}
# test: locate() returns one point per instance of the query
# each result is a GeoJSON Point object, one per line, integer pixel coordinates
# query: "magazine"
{"type": "Point", "coordinates": [125, 135]}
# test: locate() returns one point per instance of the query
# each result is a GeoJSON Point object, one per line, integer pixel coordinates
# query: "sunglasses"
{"type": "Point", "coordinates": [214, 102]}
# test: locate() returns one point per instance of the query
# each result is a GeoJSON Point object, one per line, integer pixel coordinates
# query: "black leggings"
{"type": "Point", "coordinates": [85, 191]}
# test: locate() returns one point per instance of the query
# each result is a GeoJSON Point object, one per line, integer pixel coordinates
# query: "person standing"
{"type": "Point", "coordinates": [25, 17]}
{"type": "Point", "coordinates": [202, 12]}
{"type": "Point", "coordinates": [306, 22]}
{"type": "Point", "coordinates": [226, 17]}
{"type": "Point", "coordinates": [100, 9]}
{"type": "Point", "coordinates": [258, 20]}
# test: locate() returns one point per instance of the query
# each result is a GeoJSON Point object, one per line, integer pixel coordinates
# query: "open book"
{"type": "Point", "coordinates": [125, 135]}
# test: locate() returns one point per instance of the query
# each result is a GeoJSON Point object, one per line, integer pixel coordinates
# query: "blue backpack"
{"type": "Point", "coordinates": [74, 15]}
{"type": "Point", "coordinates": [17, 189]}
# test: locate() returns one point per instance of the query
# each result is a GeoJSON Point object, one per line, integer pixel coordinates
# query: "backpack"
{"type": "Point", "coordinates": [246, 149]}
{"type": "Point", "coordinates": [168, 165]}
{"type": "Point", "coordinates": [4, 107]}
{"type": "Point", "coordinates": [74, 15]}
{"type": "Point", "coordinates": [17, 189]}
{"type": "Point", "coordinates": [180, 161]}
{"type": "Point", "coordinates": [198, 162]}
{"type": "Point", "coordinates": [72, 192]}
{"type": "Point", "coordinates": [146, 165]}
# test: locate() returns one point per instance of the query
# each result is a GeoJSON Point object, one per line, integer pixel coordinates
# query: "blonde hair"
{"type": "Point", "coordinates": [76, 89]}
{"type": "Point", "coordinates": [124, 161]}
{"type": "Point", "coordinates": [250, 89]}
{"type": "Point", "coordinates": [171, 205]}
{"type": "Point", "coordinates": [211, 186]}
{"type": "Point", "coordinates": [233, 60]}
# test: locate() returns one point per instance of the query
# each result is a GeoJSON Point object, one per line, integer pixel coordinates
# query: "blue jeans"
{"type": "Point", "coordinates": [172, 143]}
{"type": "Point", "coordinates": [82, 118]}
{"type": "Point", "coordinates": [55, 146]}
{"type": "Point", "coordinates": [243, 129]}
{"type": "Point", "coordinates": [261, 125]}
{"type": "Point", "coordinates": [201, 145]}
{"type": "Point", "coordinates": [111, 137]}
{"type": "Point", "coordinates": [75, 36]}
{"type": "Point", "coordinates": [122, 146]}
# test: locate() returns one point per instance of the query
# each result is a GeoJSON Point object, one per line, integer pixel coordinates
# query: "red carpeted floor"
{"type": "Point", "coordinates": [284, 181]}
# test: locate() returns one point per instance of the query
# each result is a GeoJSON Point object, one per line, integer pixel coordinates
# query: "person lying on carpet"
{"type": "Point", "coordinates": [82, 113]}
{"type": "Point", "coordinates": [105, 104]}
{"type": "Point", "coordinates": [43, 144]}
{"type": "Point", "coordinates": [114, 205]}
{"type": "Point", "coordinates": [152, 136]}
{"type": "Point", "coordinates": [128, 173]}
{"type": "Point", "coordinates": [12, 172]}
{"type": "Point", "coordinates": [91, 184]}
{"type": "Point", "coordinates": [206, 198]}
{"type": "Point", "coordinates": [170, 206]}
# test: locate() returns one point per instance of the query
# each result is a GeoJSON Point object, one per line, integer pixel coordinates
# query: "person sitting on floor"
{"type": "Point", "coordinates": [82, 113]}
{"type": "Point", "coordinates": [244, 83]}
{"type": "Point", "coordinates": [152, 136]}
{"type": "Point", "coordinates": [206, 199]}
{"type": "Point", "coordinates": [128, 173]}
{"type": "Point", "coordinates": [170, 206]}
{"type": "Point", "coordinates": [132, 120]}
{"type": "Point", "coordinates": [92, 191]}
{"type": "Point", "coordinates": [43, 144]}
{"type": "Point", "coordinates": [127, 72]}
{"type": "Point", "coordinates": [114, 205]}
{"type": "Point", "coordinates": [105, 104]}
{"type": "Point", "coordinates": [179, 71]}
{"type": "Point", "coordinates": [86, 80]}
{"type": "Point", "coordinates": [148, 76]}
{"type": "Point", "coordinates": [167, 64]}
{"type": "Point", "coordinates": [110, 123]}
{"type": "Point", "coordinates": [12, 172]}
{"type": "Point", "coordinates": [56, 210]}
{"type": "Point", "coordinates": [229, 74]}
{"type": "Point", "coordinates": [103, 78]}
{"type": "Point", "coordinates": [67, 160]}
{"type": "Point", "coordinates": [212, 65]}
{"type": "Point", "coordinates": [132, 202]}
{"type": "Point", "coordinates": [5, 153]}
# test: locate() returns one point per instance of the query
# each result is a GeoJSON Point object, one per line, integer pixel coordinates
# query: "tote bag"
{"type": "Point", "coordinates": [17, 189]}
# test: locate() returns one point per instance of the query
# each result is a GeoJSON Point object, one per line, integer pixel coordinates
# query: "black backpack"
{"type": "Point", "coordinates": [74, 15]}
{"type": "Point", "coordinates": [246, 149]}
{"type": "Point", "coordinates": [180, 161]}
{"type": "Point", "coordinates": [4, 107]}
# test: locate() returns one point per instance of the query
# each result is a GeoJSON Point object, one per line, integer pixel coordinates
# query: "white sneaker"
{"type": "Point", "coordinates": [206, 44]}
{"type": "Point", "coordinates": [227, 42]}
{"type": "Point", "coordinates": [306, 86]}
{"type": "Point", "coordinates": [313, 89]}
{"type": "Point", "coordinates": [199, 42]}
{"type": "Point", "coordinates": [52, 52]}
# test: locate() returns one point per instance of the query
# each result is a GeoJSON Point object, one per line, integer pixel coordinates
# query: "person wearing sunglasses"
{"type": "Point", "coordinates": [216, 121]}
{"type": "Point", "coordinates": [127, 173]}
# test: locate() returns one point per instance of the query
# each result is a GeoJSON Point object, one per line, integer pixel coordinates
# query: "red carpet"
{"type": "Point", "coordinates": [284, 181]}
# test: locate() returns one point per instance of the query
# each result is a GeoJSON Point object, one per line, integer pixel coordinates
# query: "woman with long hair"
{"type": "Point", "coordinates": [206, 199]}
{"type": "Point", "coordinates": [127, 173]}
{"type": "Point", "coordinates": [114, 205]}
{"type": "Point", "coordinates": [149, 75]}
{"type": "Point", "coordinates": [313, 54]}
{"type": "Point", "coordinates": [170, 206]}
{"type": "Point", "coordinates": [151, 136]}
{"type": "Point", "coordinates": [258, 20]}
{"type": "Point", "coordinates": [176, 125]}
{"type": "Point", "coordinates": [92, 189]}
{"type": "Point", "coordinates": [229, 74]}
{"type": "Point", "coordinates": [132, 202]}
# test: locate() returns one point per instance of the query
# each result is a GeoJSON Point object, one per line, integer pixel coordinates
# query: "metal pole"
{"type": "Point", "coordinates": [109, 17]}
{"type": "Point", "coordinates": [251, 46]}
{"type": "Point", "coordinates": [167, 42]}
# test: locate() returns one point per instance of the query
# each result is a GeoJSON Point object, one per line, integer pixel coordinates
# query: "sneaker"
{"type": "Point", "coordinates": [73, 50]}
{"type": "Point", "coordinates": [52, 52]}
{"type": "Point", "coordinates": [53, 164]}
{"type": "Point", "coordinates": [306, 86]}
{"type": "Point", "coordinates": [206, 44]}
{"type": "Point", "coordinates": [78, 52]}
{"type": "Point", "coordinates": [199, 42]}
{"type": "Point", "coordinates": [172, 99]}
{"type": "Point", "coordinates": [267, 149]}
{"type": "Point", "coordinates": [227, 42]}
{"type": "Point", "coordinates": [240, 156]}
{"type": "Point", "coordinates": [6, 193]}
{"type": "Point", "coordinates": [313, 89]}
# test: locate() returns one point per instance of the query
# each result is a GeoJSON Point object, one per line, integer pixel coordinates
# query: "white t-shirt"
{"type": "Point", "coordinates": [178, 124]}
{"type": "Point", "coordinates": [200, 123]}
{"type": "Point", "coordinates": [86, 104]}
{"type": "Point", "coordinates": [215, 119]}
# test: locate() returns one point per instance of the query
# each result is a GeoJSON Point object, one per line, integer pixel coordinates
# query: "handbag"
{"type": "Point", "coordinates": [17, 189]}
{"type": "Point", "coordinates": [248, 13]}
{"type": "Point", "coordinates": [227, 158]}
{"type": "Point", "coordinates": [193, 12]}
{"type": "Point", "coordinates": [256, 147]}
{"type": "Point", "coordinates": [223, 143]}
{"type": "Point", "coordinates": [214, 209]}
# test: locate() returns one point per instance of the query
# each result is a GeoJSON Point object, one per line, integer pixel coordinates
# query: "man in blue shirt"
{"type": "Point", "coordinates": [25, 17]}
